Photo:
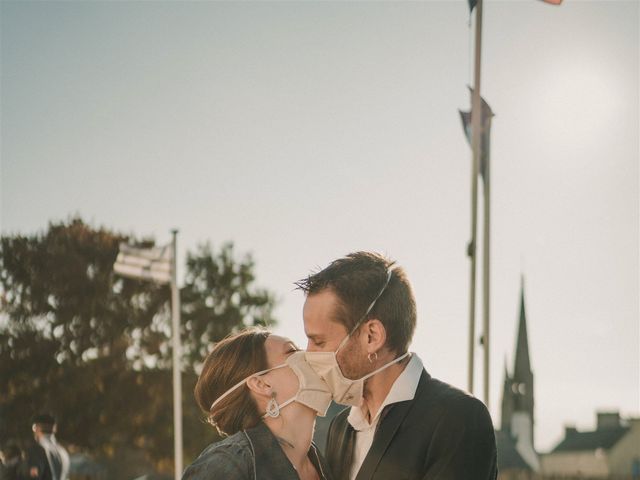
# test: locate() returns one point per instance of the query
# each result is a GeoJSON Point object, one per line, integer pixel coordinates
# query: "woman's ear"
{"type": "Point", "coordinates": [260, 386]}
{"type": "Point", "coordinates": [376, 335]}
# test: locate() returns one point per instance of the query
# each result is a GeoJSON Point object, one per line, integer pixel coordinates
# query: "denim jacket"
{"type": "Point", "coordinates": [252, 454]}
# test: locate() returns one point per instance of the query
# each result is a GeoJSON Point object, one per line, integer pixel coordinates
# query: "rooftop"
{"type": "Point", "coordinates": [604, 438]}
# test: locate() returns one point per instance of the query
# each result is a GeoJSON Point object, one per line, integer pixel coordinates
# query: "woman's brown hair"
{"type": "Point", "coordinates": [233, 359]}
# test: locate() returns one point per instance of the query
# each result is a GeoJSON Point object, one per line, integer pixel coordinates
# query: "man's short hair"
{"type": "Point", "coordinates": [45, 421]}
{"type": "Point", "coordinates": [357, 279]}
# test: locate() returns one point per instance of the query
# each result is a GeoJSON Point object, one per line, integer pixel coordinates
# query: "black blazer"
{"type": "Point", "coordinates": [37, 458]}
{"type": "Point", "coordinates": [443, 433]}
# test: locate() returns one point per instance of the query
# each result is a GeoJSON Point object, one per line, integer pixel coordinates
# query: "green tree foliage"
{"type": "Point", "coordinates": [218, 295]}
{"type": "Point", "coordinates": [94, 348]}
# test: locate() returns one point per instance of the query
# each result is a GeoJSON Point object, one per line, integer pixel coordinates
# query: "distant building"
{"type": "Point", "coordinates": [517, 458]}
{"type": "Point", "coordinates": [612, 450]}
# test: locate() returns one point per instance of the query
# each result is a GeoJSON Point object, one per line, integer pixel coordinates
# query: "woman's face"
{"type": "Point", "coordinates": [283, 381]}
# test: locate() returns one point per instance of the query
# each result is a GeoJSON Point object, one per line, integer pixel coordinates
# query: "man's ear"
{"type": "Point", "coordinates": [375, 335]}
{"type": "Point", "coordinates": [260, 386]}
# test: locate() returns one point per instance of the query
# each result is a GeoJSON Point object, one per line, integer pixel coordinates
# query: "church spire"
{"type": "Point", "coordinates": [522, 367]}
{"type": "Point", "coordinates": [518, 399]}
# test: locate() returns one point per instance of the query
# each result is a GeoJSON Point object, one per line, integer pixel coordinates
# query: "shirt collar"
{"type": "Point", "coordinates": [403, 389]}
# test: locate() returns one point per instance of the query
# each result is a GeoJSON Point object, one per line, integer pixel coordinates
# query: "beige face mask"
{"type": "Point", "coordinates": [344, 390]}
{"type": "Point", "coordinates": [312, 390]}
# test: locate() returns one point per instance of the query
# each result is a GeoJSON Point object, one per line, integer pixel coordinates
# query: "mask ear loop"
{"type": "Point", "coordinates": [371, 305]}
{"type": "Point", "coordinates": [400, 358]}
{"type": "Point", "coordinates": [240, 383]}
{"type": "Point", "coordinates": [273, 409]}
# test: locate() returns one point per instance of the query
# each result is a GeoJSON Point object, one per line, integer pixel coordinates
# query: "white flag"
{"type": "Point", "coordinates": [144, 263]}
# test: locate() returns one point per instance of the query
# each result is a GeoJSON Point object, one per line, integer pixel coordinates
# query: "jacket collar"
{"type": "Point", "coordinates": [388, 425]}
{"type": "Point", "coordinates": [403, 389]}
{"type": "Point", "coordinates": [270, 462]}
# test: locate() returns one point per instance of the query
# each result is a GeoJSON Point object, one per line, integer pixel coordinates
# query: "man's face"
{"type": "Point", "coordinates": [39, 430]}
{"type": "Point", "coordinates": [324, 333]}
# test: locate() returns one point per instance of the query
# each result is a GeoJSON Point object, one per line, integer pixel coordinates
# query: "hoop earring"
{"type": "Point", "coordinates": [375, 357]}
{"type": "Point", "coordinates": [273, 409]}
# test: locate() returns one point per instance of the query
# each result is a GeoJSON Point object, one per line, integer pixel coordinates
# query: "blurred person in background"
{"type": "Point", "coordinates": [11, 465]}
{"type": "Point", "coordinates": [257, 390]}
{"type": "Point", "coordinates": [46, 458]}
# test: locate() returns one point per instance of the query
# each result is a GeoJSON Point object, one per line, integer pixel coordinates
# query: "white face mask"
{"type": "Point", "coordinates": [344, 390]}
{"type": "Point", "coordinates": [312, 390]}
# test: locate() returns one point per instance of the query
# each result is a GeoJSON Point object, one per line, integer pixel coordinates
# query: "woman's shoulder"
{"type": "Point", "coordinates": [230, 458]}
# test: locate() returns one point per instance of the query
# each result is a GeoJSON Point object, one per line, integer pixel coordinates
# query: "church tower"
{"type": "Point", "coordinates": [517, 393]}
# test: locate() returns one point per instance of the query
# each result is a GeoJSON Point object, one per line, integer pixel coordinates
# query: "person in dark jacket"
{"type": "Point", "coordinates": [46, 458]}
{"type": "Point", "coordinates": [359, 317]}
{"type": "Point", "coordinates": [258, 391]}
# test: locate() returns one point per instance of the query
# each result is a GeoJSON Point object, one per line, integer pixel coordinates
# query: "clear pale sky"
{"type": "Point", "coordinates": [302, 131]}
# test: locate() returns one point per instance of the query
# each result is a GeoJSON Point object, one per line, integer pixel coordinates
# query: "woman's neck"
{"type": "Point", "coordinates": [294, 430]}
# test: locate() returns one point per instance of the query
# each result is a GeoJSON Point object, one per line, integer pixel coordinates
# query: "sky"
{"type": "Point", "coordinates": [302, 131]}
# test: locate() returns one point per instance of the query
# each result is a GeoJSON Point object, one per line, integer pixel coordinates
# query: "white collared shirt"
{"type": "Point", "coordinates": [403, 389]}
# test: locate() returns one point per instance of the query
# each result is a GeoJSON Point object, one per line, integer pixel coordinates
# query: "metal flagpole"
{"type": "Point", "coordinates": [177, 379]}
{"type": "Point", "coordinates": [486, 243]}
{"type": "Point", "coordinates": [476, 115]}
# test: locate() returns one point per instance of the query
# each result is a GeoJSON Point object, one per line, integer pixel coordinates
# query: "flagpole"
{"type": "Point", "coordinates": [177, 380]}
{"type": "Point", "coordinates": [475, 146]}
{"type": "Point", "coordinates": [486, 264]}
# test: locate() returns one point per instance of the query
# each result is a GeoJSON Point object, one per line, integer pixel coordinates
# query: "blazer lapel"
{"type": "Point", "coordinates": [345, 445]}
{"type": "Point", "coordinates": [387, 428]}
{"type": "Point", "coordinates": [390, 420]}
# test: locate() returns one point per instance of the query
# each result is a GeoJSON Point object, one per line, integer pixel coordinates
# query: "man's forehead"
{"type": "Point", "coordinates": [324, 328]}
{"type": "Point", "coordinates": [321, 306]}
{"type": "Point", "coordinates": [321, 315]}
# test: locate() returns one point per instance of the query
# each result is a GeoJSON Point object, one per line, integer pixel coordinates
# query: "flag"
{"type": "Point", "coordinates": [473, 3]}
{"type": "Point", "coordinates": [487, 114]}
{"type": "Point", "coordinates": [144, 263]}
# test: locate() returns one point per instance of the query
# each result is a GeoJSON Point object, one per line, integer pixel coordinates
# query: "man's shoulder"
{"type": "Point", "coordinates": [434, 400]}
{"type": "Point", "coordinates": [447, 401]}
{"type": "Point", "coordinates": [34, 446]}
{"type": "Point", "coordinates": [443, 392]}
{"type": "Point", "coordinates": [431, 393]}
{"type": "Point", "coordinates": [34, 449]}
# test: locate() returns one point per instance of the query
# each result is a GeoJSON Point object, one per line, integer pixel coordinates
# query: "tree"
{"type": "Point", "coordinates": [94, 348]}
{"type": "Point", "coordinates": [217, 298]}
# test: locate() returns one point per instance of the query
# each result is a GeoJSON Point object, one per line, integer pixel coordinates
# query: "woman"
{"type": "Point", "coordinates": [258, 390]}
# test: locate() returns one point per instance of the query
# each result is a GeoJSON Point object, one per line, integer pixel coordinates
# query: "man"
{"type": "Point", "coordinates": [46, 459]}
{"type": "Point", "coordinates": [403, 424]}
